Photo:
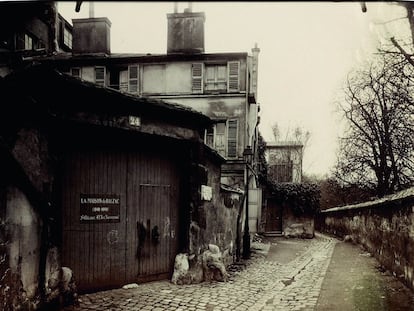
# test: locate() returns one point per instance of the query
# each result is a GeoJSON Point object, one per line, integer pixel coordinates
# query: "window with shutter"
{"type": "Point", "coordinates": [232, 138]}
{"type": "Point", "coordinates": [233, 82]}
{"type": "Point", "coordinates": [28, 42]}
{"type": "Point", "coordinates": [123, 81]}
{"type": "Point", "coordinates": [76, 72]}
{"type": "Point", "coordinates": [133, 79]}
{"type": "Point", "coordinates": [100, 75]}
{"type": "Point", "coordinates": [215, 78]}
{"type": "Point", "coordinates": [197, 78]}
{"type": "Point", "coordinates": [219, 138]}
{"type": "Point", "coordinates": [209, 137]}
{"type": "Point", "coordinates": [67, 37]}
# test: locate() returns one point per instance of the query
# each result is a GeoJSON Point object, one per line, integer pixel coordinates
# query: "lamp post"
{"type": "Point", "coordinates": [247, 156]}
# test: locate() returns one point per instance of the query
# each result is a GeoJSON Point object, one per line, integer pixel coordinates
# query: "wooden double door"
{"type": "Point", "coordinates": [119, 216]}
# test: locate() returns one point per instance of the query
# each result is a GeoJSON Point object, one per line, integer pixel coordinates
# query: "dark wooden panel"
{"type": "Point", "coordinates": [95, 251]}
{"type": "Point", "coordinates": [273, 217]}
{"type": "Point", "coordinates": [153, 181]}
{"type": "Point", "coordinates": [104, 255]}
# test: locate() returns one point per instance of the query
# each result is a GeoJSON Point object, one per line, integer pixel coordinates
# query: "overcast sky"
{"type": "Point", "coordinates": [307, 49]}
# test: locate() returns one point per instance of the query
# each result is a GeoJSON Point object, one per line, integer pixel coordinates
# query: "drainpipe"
{"type": "Point", "coordinates": [247, 156]}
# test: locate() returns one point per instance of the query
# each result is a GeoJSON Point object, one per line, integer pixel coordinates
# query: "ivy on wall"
{"type": "Point", "coordinates": [303, 198]}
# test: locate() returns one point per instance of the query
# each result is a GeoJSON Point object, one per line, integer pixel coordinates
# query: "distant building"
{"type": "Point", "coordinates": [285, 161]}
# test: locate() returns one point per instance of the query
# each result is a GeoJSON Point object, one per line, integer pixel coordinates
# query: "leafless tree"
{"type": "Point", "coordinates": [378, 147]}
{"type": "Point", "coordinates": [296, 134]}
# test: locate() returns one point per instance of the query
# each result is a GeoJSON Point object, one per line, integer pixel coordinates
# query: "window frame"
{"type": "Point", "coordinates": [216, 82]}
{"type": "Point", "coordinates": [101, 82]}
{"type": "Point", "coordinates": [236, 138]}
{"type": "Point", "coordinates": [76, 68]}
{"type": "Point", "coordinates": [135, 80]}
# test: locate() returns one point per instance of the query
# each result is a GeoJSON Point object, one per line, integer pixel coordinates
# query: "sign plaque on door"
{"type": "Point", "coordinates": [99, 208]}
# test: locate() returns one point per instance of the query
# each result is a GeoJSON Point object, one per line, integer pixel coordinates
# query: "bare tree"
{"type": "Point", "coordinates": [296, 134]}
{"type": "Point", "coordinates": [377, 149]}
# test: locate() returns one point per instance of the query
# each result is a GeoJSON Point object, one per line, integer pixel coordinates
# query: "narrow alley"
{"type": "Point", "coordinates": [283, 274]}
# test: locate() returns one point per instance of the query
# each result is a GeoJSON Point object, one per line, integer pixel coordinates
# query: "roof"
{"type": "Point", "coordinates": [283, 144]}
{"type": "Point", "coordinates": [141, 57]}
{"type": "Point", "coordinates": [401, 195]}
{"type": "Point", "coordinates": [65, 92]}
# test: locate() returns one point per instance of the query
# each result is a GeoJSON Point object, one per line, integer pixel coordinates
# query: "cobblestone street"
{"type": "Point", "coordinates": [264, 284]}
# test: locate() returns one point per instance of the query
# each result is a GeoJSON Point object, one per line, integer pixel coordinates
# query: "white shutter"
{"type": "Point", "coordinates": [133, 73]}
{"type": "Point", "coordinates": [233, 81]}
{"type": "Point", "coordinates": [123, 81]}
{"type": "Point", "coordinates": [232, 138]}
{"type": "Point", "coordinates": [197, 77]}
{"type": "Point", "coordinates": [100, 75]}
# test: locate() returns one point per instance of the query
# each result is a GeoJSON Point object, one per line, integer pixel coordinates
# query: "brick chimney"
{"type": "Point", "coordinates": [185, 31]}
{"type": "Point", "coordinates": [91, 35]}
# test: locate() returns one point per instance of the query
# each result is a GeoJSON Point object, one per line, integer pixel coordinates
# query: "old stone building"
{"type": "Point", "coordinates": [222, 86]}
{"type": "Point", "coordinates": [116, 163]}
{"type": "Point", "coordinates": [285, 161]}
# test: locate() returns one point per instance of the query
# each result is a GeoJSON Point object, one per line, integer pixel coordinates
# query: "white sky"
{"type": "Point", "coordinates": [307, 49]}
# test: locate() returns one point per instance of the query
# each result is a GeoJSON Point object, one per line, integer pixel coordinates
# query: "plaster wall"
{"type": "Point", "coordinates": [216, 220]}
{"type": "Point", "coordinates": [386, 231]}
{"type": "Point", "coordinates": [24, 243]}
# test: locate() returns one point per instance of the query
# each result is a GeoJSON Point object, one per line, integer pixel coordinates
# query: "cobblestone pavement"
{"type": "Point", "coordinates": [262, 285]}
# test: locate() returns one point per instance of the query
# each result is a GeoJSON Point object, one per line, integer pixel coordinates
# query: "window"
{"type": "Point", "coordinates": [232, 138]}
{"type": "Point", "coordinates": [133, 79]}
{"type": "Point", "coordinates": [209, 137]}
{"type": "Point", "coordinates": [100, 75]}
{"type": "Point", "coordinates": [212, 78]}
{"type": "Point", "coordinates": [28, 42]}
{"type": "Point", "coordinates": [76, 72]}
{"type": "Point", "coordinates": [215, 137]}
{"type": "Point", "coordinates": [281, 172]}
{"type": "Point", "coordinates": [220, 138]}
{"type": "Point", "coordinates": [67, 37]}
{"type": "Point", "coordinates": [123, 81]}
{"type": "Point", "coordinates": [215, 78]}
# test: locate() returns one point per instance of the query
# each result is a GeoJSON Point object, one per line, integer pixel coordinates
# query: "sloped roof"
{"type": "Point", "coordinates": [284, 144]}
{"type": "Point", "coordinates": [66, 92]}
{"type": "Point", "coordinates": [399, 196]}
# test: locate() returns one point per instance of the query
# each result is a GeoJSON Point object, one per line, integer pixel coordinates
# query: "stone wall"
{"type": "Point", "coordinates": [297, 226]}
{"type": "Point", "coordinates": [385, 227]}
{"type": "Point", "coordinates": [215, 221]}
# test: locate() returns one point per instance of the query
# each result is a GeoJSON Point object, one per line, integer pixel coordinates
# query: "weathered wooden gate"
{"type": "Point", "coordinates": [119, 213]}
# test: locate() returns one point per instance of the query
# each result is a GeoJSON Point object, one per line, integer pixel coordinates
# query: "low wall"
{"type": "Point", "coordinates": [385, 227]}
{"type": "Point", "coordinates": [297, 226]}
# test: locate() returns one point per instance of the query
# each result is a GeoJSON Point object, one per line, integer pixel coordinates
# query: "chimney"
{"type": "Point", "coordinates": [91, 35]}
{"type": "Point", "coordinates": [255, 68]}
{"type": "Point", "coordinates": [185, 31]}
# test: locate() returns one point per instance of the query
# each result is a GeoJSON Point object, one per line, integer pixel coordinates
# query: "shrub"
{"type": "Point", "coordinates": [302, 198]}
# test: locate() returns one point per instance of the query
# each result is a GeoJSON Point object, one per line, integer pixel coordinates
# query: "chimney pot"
{"type": "Point", "coordinates": [185, 32]}
{"type": "Point", "coordinates": [91, 35]}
